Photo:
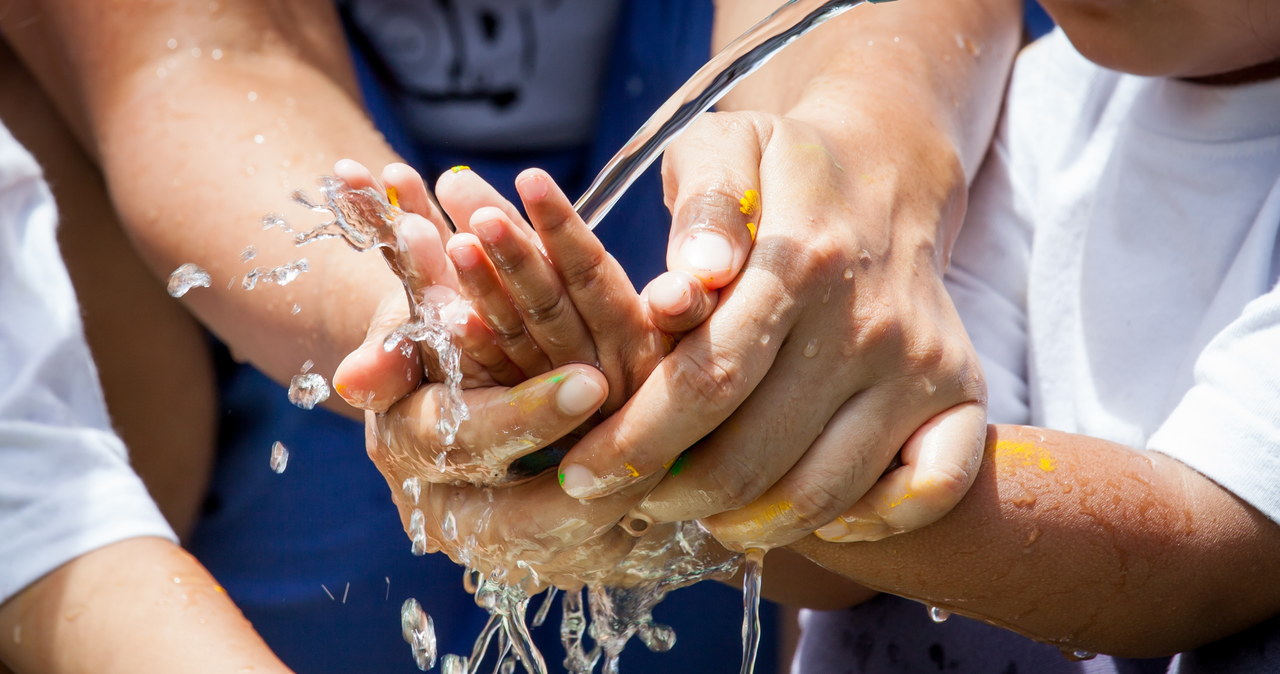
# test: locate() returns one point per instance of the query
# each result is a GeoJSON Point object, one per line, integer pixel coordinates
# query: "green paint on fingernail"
{"type": "Point", "coordinates": [560, 477]}
{"type": "Point", "coordinates": [555, 379]}
{"type": "Point", "coordinates": [678, 465]}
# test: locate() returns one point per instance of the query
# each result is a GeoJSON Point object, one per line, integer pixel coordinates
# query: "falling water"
{"type": "Point", "coordinates": [708, 85]}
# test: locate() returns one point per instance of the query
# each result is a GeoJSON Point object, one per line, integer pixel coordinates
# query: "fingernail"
{"type": "Point", "coordinates": [532, 185]}
{"type": "Point", "coordinates": [708, 252]}
{"type": "Point", "coordinates": [670, 293]}
{"type": "Point", "coordinates": [465, 256]}
{"type": "Point", "coordinates": [851, 530]}
{"type": "Point", "coordinates": [489, 231]}
{"type": "Point", "coordinates": [577, 481]}
{"type": "Point", "coordinates": [578, 394]}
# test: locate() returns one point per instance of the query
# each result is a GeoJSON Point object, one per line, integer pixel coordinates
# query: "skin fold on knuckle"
{"type": "Point", "coordinates": [708, 381]}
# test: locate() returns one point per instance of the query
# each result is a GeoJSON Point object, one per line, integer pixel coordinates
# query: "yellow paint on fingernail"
{"type": "Point", "coordinates": [631, 470]}
{"type": "Point", "coordinates": [460, 168]}
{"type": "Point", "coordinates": [751, 227]}
{"type": "Point", "coordinates": [749, 204]}
{"type": "Point", "coordinates": [393, 196]}
{"type": "Point", "coordinates": [1011, 453]}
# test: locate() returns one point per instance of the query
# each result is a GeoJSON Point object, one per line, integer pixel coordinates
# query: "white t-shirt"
{"type": "Point", "coordinates": [1118, 266]}
{"type": "Point", "coordinates": [65, 483]}
{"type": "Point", "coordinates": [1117, 273]}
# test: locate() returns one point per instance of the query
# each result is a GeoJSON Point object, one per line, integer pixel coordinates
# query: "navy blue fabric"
{"type": "Point", "coordinates": [281, 544]}
{"type": "Point", "coordinates": [1036, 20]}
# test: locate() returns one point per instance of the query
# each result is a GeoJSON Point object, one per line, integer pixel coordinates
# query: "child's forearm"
{"type": "Point", "coordinates": [1083, 543]}
{"type": "Point", "coordinates": [140, 605]}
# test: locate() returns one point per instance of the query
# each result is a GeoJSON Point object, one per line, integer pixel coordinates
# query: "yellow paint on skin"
{"type": "Point", "coordinates": [393, 197]}
{"type": "Point", "coordinates": [901, 499]}
{"type": "Point", "coordinates": [1012, 453]}
{"type": "Point", "coordinates": [773, 512]}
{"type": "Point", "coordinates": [631, 470]}
{"type": "Point", "coordinates": [460, 168]}
{"type": "Point", "coordinates": [749, 204]}
{"type": "Point", "coordinates": [530, 397]}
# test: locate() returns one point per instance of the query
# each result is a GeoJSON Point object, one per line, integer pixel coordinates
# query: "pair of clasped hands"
{"type": "Point", "coordinates": [797, 371]}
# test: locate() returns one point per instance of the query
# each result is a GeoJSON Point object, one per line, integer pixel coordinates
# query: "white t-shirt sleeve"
{"type": "Point", "coordinates": [1227, 426]}
{"type": "Point", "coordinates": [66, 487]}
{"type": "Point", "coordinates": [987, 281]}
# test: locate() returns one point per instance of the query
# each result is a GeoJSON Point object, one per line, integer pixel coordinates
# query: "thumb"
{"type": "Point", "coordinates": [372, 377]}
{"type": "Point", "coordinates": [711, 180]}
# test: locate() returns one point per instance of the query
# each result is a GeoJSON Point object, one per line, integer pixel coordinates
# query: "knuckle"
{"type": "Point", "coordinates": [544, 309]}
{"type": "Point", "coordinates": [713, 382]}
{"type": "Point", "coordinates": [581, 274]}
{"type": "Point", "coordinates": [815, 505]}
{"type": "Point", "coordinates": [736, 483]}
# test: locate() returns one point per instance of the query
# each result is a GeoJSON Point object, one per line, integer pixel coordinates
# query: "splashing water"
{"type": "Point", "coordinates": [282, 275]}
{"type": "Point", "coordinates": [419, 631]}
{"type": "Point", "coordinates": [308, 390]}
{"type": "Point", "coordinates": [186, 277]}
{"type": "Point", "coordinates": [667, 557]}
{"type": "Point", "coordinates": [279, 457]}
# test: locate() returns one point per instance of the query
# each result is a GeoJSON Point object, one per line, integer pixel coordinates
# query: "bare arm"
{"type": "Point", "coordinates": [140, 605]}
{"type": "Point", "coordinates": [1086, 544]}
{"type": "Point", "coordinates": [204, 118]}
{"type": "Point", "coordinates": [940, 63]}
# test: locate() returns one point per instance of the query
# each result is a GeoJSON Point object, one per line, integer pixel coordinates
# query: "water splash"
{"type": "Point", "coordinates": [419, 631]}
{"type": "Point", "coordinates": [279, 457]}
{"type": "Point", "coordinates": [308, 390]}
{"type": "Point", "coordinates": [186, 277]}
{"type": "Point", "coordinates": [282, 275]}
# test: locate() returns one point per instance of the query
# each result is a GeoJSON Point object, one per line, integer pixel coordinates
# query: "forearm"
{"type": "Point", "coordinates": [199, 141]}
{"type": "Point", "coordinates": [1086, 544]}
{"type": "Point", "coordinates": [141, 605]}
{"type": "Point", "coordinates": [934, 60]}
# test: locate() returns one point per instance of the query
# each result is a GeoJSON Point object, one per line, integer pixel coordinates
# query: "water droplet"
{"type": "Point", "coordinates": [848, 274]}
{"type": "Point", "coordinates": [307, 365]}
{"type": "Point", "coordinates": [938, 615]}
{"type": "Point", "coordinates": [418, 531]}
{"type": "Point", "coordinates": [279, 457]}
{"type": "Point", "coordinates": [811, 348]}
{"type": "Point", "coordinates": [296, 309]}
{"type": "Point", "coordinates": [419, 631]}
{"type": "Point", "coordinates": [657, 637]}
{"type": "Point", "coordinates": [195, 52]}
{"type": "Point", "coordinates": [454, 664]}
{"type": "Point", "coordinates": [216, 54]}
{"type": "Point", "coordinates": [412, 488]}
{"type": "Point", "coordinates": [186, 277]}
{"type": "Point", "coordinates": [259, 138]}
{"type": "Point", "coordinates": [764, 339]}
{"type": "Point", "coordinates": [274, 221]}
{"type": "Point", "coordinates": [308, 390]}
{"type": "Point", "coordinates": [248, 253]}
{"type": "Point", "coordinates": [1079, 654]}
{"type": "Point", "coordinates": [171, 43]}
{"type": "Point", "coordinates": [17, 633]}
{"type": "Point", "coordinates": [449, 527]}
{"type": "Point", "coordinates": [252, 96]}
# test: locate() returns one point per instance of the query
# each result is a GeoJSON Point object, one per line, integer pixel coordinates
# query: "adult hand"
{"type": "Point", "coordinates": [826, 356]}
